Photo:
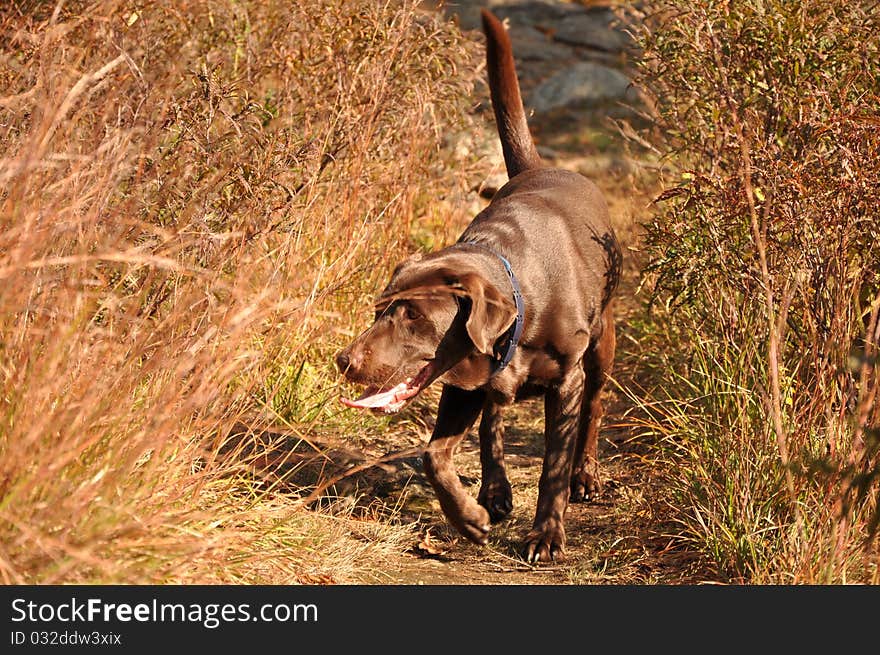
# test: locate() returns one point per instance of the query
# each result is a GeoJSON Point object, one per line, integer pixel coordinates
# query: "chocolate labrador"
{"type": "Point", "coordinates": [520, 305]}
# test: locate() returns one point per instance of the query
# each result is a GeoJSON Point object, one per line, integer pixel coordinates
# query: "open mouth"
{"type": "Point", "coordinates": [390, 400]}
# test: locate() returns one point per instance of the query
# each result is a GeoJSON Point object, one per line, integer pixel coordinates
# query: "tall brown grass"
{"type": "Point", "coordinates": [193, 192]}
{"type": "Point", "coordinates": [764, 277]}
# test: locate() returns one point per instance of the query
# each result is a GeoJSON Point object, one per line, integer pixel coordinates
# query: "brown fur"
{"type": "Point", "coordinates": [452, 306]}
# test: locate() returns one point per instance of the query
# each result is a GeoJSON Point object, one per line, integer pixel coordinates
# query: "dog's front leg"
{"type": "Point", "coordinates": [562, 406]}
{"type": "Point", "coordinates": [457, 412]}
{"type": "Point", "coordinates": [495, 492]}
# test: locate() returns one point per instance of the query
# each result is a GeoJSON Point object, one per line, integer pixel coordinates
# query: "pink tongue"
{"type": "Point", "coordinates": [384, 400]}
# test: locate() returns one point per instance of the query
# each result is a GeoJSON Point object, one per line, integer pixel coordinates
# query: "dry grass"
{"type": "Point", "coordinates": [763, 269]}
{"type": "Point", "coordinates": [192, 193]}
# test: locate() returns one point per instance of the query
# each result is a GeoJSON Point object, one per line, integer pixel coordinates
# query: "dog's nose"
{"type": "Point", "coordinates": [349, 361]}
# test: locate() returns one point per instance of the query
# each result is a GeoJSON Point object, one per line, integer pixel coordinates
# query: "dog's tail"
{"type": "Point", "coordinates": [513, 130]}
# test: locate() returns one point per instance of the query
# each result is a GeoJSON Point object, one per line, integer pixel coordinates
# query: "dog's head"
{"type": "Point", "coordinates": [435, 312]}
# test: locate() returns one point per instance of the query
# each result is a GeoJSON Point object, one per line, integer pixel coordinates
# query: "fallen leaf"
{"type": "Point", "coordinates": [430, 547]}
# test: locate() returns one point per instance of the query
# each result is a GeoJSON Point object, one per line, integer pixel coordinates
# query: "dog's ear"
{"type": "Point", "coordinates": [491, 312]}
{"type": "Point", "coordinates": [415, 258]}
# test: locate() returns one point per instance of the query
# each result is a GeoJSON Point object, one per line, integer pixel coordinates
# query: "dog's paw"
{"type": "Point", "coordinates": [584, 487]}
{"type": "Point", "coordinates": [497, 497]}
{"type": "Point", "coordinates": [472, 521]}
{"type": "Point", "coordinates": [545, 545]}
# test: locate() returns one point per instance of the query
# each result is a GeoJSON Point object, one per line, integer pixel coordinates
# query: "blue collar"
{"type": "Point", "coordinates": [503, 354]}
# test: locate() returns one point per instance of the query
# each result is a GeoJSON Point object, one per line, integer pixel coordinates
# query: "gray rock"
{"type": "Point", "coordinates": [534, 12]}
{"type": "Point", "coordinates": [591, 30]}
{"type": "Point", "coordinates": [584, 83]}
{"type": "Point", "coordinates": [530, 44]}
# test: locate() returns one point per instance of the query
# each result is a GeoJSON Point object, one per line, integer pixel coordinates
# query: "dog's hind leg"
{"type": "Point", "coordinates": [495, 492]}
{"type": "Point", "coordinates": [585, 481]}
{"type": "Point", "coordinates": [456, 414]}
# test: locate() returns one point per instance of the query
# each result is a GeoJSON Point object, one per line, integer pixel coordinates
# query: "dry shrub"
{"type": "Point", "coordinates": [194, 193]}
{"type": "Point", "coordinates": [765, 272]}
